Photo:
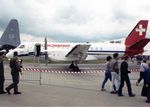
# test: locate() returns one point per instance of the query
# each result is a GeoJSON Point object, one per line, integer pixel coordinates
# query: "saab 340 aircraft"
{"type": "Point", "coordinates": [10, 39]}
{"type": "Point", "coordinates": [134, 44]}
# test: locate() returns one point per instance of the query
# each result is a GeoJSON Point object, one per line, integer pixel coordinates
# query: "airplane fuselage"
{"type": "Point", "coordinates": [58, 51]}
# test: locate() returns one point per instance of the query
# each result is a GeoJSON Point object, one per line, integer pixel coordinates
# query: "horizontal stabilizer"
{"type": "Point", "coordinates": [140, 44]}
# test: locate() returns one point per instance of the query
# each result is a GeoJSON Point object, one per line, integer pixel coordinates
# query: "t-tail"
{"type": "Point", "coordinates": [11, 36]}
{"type": "Point", "coordinates": [136, 41]}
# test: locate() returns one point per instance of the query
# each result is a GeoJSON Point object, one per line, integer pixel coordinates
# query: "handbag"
{"type": "Point", "coordinates": [144, 91]}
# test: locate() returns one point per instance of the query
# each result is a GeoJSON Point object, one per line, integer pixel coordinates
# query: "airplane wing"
{"type": "Point", "coordinates": [79, 51]}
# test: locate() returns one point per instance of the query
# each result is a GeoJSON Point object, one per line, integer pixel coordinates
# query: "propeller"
{"type": "Point", "coordinates": [46, 53]}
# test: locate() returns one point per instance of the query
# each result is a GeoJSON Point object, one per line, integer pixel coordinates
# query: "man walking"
{"type": "Point", "coordinates": [147, 82]}
{"type": "Point", "coordinates": [2, 78]}
{"type": "Point", "coordinates": [125, 78]}
{"type": "Point", "coordinates": [107, 72]}
{"type": "Point", "coordinates": [15, 69]}
{"type": "Point", "coordinates": [143, 66]}
{"type": "Point", "coordinates": [115, 74]}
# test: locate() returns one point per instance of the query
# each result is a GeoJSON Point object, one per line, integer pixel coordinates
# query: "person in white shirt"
{"type": "Point", "coordinates": [143, 66]}
{"type": "Point", "coordinates": [115, 74]}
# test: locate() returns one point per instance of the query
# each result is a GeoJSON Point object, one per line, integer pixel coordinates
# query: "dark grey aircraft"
{"type": "Point", "coordinates": [11, 36]}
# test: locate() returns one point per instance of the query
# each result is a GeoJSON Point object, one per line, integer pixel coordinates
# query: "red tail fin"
{"type": "Point", "coordinates": [137, 34]}
{"type": "Point", "coordinates": [136, 40]}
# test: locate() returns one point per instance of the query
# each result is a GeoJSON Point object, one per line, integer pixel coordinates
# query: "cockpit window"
{"type": "Point", "coordinates": [22, 46]}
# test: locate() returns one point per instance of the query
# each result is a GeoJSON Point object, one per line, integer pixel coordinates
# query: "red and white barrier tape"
{"type": "Point", "coordinates": [68, 72]}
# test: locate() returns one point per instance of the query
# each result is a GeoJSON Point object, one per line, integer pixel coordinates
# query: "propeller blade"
{"type": "Point", "coordinates": [46, 54]}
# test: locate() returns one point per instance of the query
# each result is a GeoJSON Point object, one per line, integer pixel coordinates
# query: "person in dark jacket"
{"type": "Point", "coordinates": [147, 82]}
{"type": "Point", "coordinates": [2, 78]}
{"type": "Point", "coordinates": [15, 69]}
{"type": "Point", "coordinates": [125, 78]}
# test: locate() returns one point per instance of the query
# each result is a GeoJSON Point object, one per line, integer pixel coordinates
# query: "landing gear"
{"type": "Point", "coordinates": [74, 67]}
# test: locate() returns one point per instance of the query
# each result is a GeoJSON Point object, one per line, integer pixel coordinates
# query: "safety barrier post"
{"type": "Point", "coordinates": [40, 76]}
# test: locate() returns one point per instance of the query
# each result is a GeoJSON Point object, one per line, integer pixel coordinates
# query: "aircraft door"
{"type": "Point", "coordinates": [37, 50]}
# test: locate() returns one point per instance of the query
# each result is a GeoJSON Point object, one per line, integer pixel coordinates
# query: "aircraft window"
{"type": "Point", "coordinates": [22, 46]}
{"type": "Point", "coordinates": [100, 48]}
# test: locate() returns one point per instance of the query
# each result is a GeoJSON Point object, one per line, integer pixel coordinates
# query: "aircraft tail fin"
{"type": "Point", "coordinates": [11, 36]}
{"type": "Point", "coordinates": [136, 41]}
{"type": "Point", "coordinates": [137, 34]}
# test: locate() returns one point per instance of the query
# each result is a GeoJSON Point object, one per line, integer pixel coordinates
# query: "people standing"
{"type": "Point", "coordinates": [125, 78]}
{"type": "Point", "coordinates": [143, 66]}
{"type": "Point", "coordinates": [115, 74]}
{"type": "Point", "coordinates": [2, 77]}
{"type": "Point", "coordinates": [15, 69]}
{"type": "Point", "coordinates": [147, 82]}
{"type": "Point", "coordinates": [107, 72]}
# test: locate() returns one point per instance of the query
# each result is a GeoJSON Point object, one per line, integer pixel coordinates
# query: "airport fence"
{"type": "Point", "coordinates": [90, 76]}
{"type": "Point", "coordinates": [28, 74]}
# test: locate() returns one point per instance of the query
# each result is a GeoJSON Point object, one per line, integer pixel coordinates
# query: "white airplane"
{"type": "Point", "coordinates": [134, 44]}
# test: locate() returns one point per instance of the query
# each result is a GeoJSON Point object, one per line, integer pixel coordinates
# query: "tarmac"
{"type": "Point", "coordinates": [71, 90]}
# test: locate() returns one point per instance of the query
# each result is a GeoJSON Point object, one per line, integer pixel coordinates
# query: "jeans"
{"type": "Point", "coordinates": [115, 81]}
{"type": "Point", "coordinates": [107, 76]}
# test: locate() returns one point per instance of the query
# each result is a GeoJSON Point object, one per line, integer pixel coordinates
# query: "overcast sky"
{"type": "Point", "coordinates": [74, 20]}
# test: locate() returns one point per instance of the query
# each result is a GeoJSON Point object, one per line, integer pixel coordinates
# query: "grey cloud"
{"type": "Point", "coordinates": [32, 22]}
{"type": "Point", "coordinates": [71, 15]}
{"type": "Point", "coordinates": [121, 16]}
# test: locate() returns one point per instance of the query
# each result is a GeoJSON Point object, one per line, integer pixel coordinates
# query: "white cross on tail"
{"type": "Point", "coordinates": [140, 30]}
